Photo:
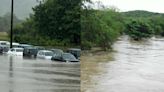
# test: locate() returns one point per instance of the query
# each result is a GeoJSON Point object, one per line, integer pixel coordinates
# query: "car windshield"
{"type": "Point", "coordinates": [19, 50]}
{"type": "Point", "coordinates": [3, 44]}
{"type": "Point", "coordinates": [68, 56]}
{"type": "Point", "coordinates": [48, 53]}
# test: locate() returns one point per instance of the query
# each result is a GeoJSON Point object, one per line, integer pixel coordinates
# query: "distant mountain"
{"type": "Point", "coordinates": [141, 13]}
{"type": "Point", "coordinates": [22, 8]}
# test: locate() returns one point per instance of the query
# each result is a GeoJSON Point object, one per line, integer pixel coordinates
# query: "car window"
{"type": "Point", "coordinates": [12, 50]}
{"type": "Point", "coordinates": [40, 53]}
{"type": "Point", "coordinates": [19, 50]}
{"type": "Point", "coordinates": [68, 56]}
{"type": "Point", "coordinates": [48, 53]}
{"type": "Point", "coordinates": [3, 43]}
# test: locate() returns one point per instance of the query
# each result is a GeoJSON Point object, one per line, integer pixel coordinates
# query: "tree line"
{"type": "Point", "coordinates": [75, 23]}
{"type": "Point", "coordinates": [102, 27]}
{"type": "Point", "coordinates": [54, 22]}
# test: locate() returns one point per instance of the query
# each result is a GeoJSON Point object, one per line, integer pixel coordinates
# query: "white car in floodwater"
{"type": "Point", "coordinates": [15, 52]}
{"type": "Point", "coordinates": [45, 54]}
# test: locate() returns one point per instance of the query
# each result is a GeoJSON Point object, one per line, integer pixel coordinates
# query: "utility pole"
{"type": "Point", "coordinates": [11, 32]}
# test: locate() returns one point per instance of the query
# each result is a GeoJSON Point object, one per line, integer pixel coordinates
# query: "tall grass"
{"type": "Point", "coordinates": [4, 36]}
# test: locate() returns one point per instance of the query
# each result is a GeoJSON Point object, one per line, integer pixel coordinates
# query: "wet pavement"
{"type": "Point", "coordinates": [134, 67]}
{"type": "Point", "coordinates": [36, 75]}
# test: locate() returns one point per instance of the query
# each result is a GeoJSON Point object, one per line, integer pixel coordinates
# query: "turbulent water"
{"type": "Point", "coordinates": [136, 67]}
{"type": "Point", "coordinates": [34, 75]}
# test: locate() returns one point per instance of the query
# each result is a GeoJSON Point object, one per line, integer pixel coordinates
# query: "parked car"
{"type": "Point", "coordinates": [24, 45]}
{"type": "Point", "coordinates": [45, 54]}
{"type": "Point", "coordinates": [32, 51]}
{"type": "Point", "coordinates": [76, 52]}
{"type": "Point", "coordinates": [3, 43]}
{"type": "Point", "coordinates": [14, 44]}
{"type": "Point", "coordinates": [4, 46]}
{"type": "Point", "coordinates": [65, 57]}
{"type": "Point", "coordinates": [15, 51]}
{"type": "Point", "coordinates": [1, 49]}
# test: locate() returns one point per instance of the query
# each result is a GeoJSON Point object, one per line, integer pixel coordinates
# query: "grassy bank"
{"type": "Point", "coordinates": [4, 36]}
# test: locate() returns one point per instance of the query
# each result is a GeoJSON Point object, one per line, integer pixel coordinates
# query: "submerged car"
{"type": "Point", "coordinates": [31, 51]}
{"type": "Point", "coordinates": [14, 44]}
{"type": "Point", "coordinates": [75, 51]}
{"type": "Point", "coordinates": [3, 43]}
{"type": "Point", "coordinates": [4, 46]}
{"type": "Point", "coordinates": [45, 54]}
{"type": "Point", "coordinates": [24, 45]}
{"type": "Point", "coordinates": [1, 50]}
{"type": "Point", "coordinates": [15, 51]}
{"type": "Point", "coordinates": [65, 57]}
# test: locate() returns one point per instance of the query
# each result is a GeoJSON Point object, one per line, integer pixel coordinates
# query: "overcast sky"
{"type": "Point", "coordinates": [126, 5]}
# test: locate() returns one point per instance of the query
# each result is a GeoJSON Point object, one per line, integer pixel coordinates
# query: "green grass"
{"type": "Point", "coordinates": [4, 36]}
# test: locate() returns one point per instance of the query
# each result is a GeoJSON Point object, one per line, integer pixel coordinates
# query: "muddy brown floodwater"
{"type": "Point", "coordinates": [134, 67]}
{"type": "Point", "coordinates": [34, 75]}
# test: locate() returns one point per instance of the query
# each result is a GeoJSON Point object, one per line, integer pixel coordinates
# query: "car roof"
{"type": "Point", "coordinates": [67, 53]}
{"type": "Point", "coordinates": [13, 43]}
{"type": "Point", "coordinates": [74, 49]}
{"type": "Point", "coordinates": [17, 48]}
{"type": "Point", "coordinates": [45, 51]}
{"type": "Point", "coordinates": [24, 45]}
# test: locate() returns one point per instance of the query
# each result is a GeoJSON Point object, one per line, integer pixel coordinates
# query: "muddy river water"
{"type": "Point", "coordinates": [34, 75]}
{"type": "Point", "coordinates": [132, 67]}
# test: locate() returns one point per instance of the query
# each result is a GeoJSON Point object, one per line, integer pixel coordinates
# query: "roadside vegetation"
{"type": "Point", "coordinates": [54, 23]}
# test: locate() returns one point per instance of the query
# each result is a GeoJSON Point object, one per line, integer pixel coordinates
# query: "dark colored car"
{"type": "Point", "coordinates": [24, 46]}
{"type": "Point", "coordinates": [1, 50]}
{"type": "Point", "coordinates": [31, 51]}
{"type": "Point", "coordinates": [75, 52]}
{"type": "Point", "coordinates": [65, 57]}
{"type": "Point", "coordinates": [4, 49]}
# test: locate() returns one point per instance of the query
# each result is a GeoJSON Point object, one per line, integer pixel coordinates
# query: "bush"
{"type": "Point", "coordinates": [85, 45]}
{"type": "Point", "coordinates": [138, 29]}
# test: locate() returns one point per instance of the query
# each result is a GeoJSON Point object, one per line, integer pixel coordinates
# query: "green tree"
{"type": "Point", "coordinates": [138, 29]}
{"type": "Point", "coordinates": [100, 28]}
{"type": "Point", "coordinates": [59, 19]}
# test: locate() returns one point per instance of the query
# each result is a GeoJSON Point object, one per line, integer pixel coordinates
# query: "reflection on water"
{"type": "Point", "coordinates": [34, 75]}
{"type": "Point", "coordinates": [11, 67]}
{"type": "Point", "coordinates": [136, 67]}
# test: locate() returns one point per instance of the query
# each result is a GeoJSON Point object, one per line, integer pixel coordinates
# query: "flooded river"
{"type": "Point", "coordinates": [34, 75]}
{"type": "Point", "coordinates": [133, 67]}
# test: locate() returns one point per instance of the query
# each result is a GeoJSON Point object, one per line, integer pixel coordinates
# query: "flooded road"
{"type": "Point", "coordinates": [34, 75]}
{"type": "Point", "coordinates": [133, 67]}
